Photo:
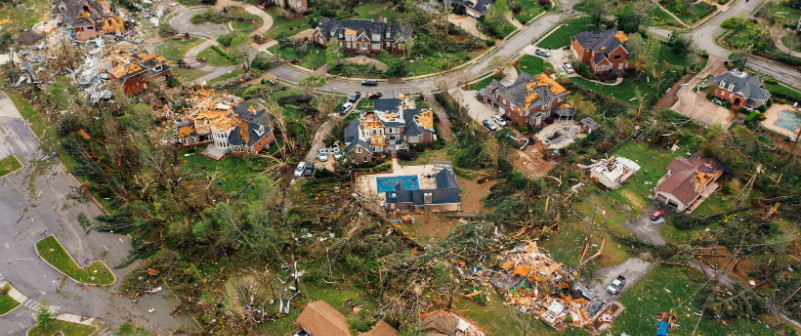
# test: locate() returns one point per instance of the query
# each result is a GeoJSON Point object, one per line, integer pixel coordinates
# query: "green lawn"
{"type": "Point", "coordinates": [215, 58]}
{"type": "Point", "coordinates": [366, 104]}
{"type": "Point", "coordinates": [560, 38]}
{"type": "Point", "coordinates": [662, 17]}
{"type": "Point", "coordinates": [189, 74]}
{"type": "Point", "coordinates": [786, 42]}
{"type": "Point", "coordinates": [9, 164]}
{"type": "Point", "coordinates": [528, 10]}
{"type": "Point", "coordinates": [7, 304]}
{"type": "Point", "coordinates": [232, 74]}
{"type": "Point", "coordinates": [785, 13]}
{"type": "Point", "coordinates": [281, 25]}
{"type": "Point", "coordinates": [24, 15]}
{"type": "Point", "coordinates": [695, 13]}
{"type": "Point", "coordinates": [313, 59]}
{"type": "Point", "coordinates": [623, 92]}
{"type": "Point", "coordinates": [778, 88]}
{"type": "Point", "coordinates": [373, 10]}
{"type": "Point", "coordinates": [439, 61]}
{"type": "Point", "coordinates": [174, 50]}
{"type": "Point", "coordinates": [532, 65]}
{"type": "Point", "coordinates": [60, 259]}
{"type": "Point", "coordinates": [67, 328]}
{"type": "Point", "coordinates": [421, 104]}
{"type": "Point", "coordinates": [234, 171]}
{"type": "Point", "coordinates": [244, 26]}
{"type": "Point", "coordinates": [483, 83]}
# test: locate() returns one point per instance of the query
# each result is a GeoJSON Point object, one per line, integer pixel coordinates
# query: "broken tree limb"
{"type": "Point", "coordinates": [595, 255]}
{"type": "Point", "coordinates": [791, 295]}
{"type": "Point", "coordinates": [728, 212]}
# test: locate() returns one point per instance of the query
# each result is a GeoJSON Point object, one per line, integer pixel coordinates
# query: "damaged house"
{"type": "Point", "coordinates": [688, 182]}
{"type": "Point", "coordinates": [89, 18]}
{"type": "Point", "coordinates": [530, 100]}
{"type": "Point", "coordinates": [444, 323]}
{"type": "Point", "coordinates": [378, 131]}
{"type": "Point", "coordinates": [131, 72]}
{"type": "Point", "coordinates": [446, 196]}
{"type": "Point", "coordinates": [612, 172]}
{"type": "Point", "coordinates": [228, 125]}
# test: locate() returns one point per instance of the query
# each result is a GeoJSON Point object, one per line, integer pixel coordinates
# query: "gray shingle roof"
{"type": "Point", "coordinates": [387, 105]}
{"type": "Point", "coordinates": [447, 190]}
{"type": "Point", "coordinates": [367, 27]}
{"type": "Point", "coordinates": [517, 92]}
{"type": "Point", "coordinates": [749, 87]}
{"type": "Point", "coordinates": [598, 41]}
{"type": "Point", "coordinates": [480, 6]}
{"type": "Point", "coordinates": [591, 124]}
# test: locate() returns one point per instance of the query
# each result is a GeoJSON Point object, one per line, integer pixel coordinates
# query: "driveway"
{"type": "Point", "coordinates": [646, 229]}
{"type": "Point", "coordinates": [695, 104]}
{"type": "Point", "coordinates": [469, 24]}
{"type": "Point", "coordinates": [35, 199]}
{"type": "Point", "coordinates": [633, 269]}
{"type": "Point", "coordinates": [478, 110]}
{"type": "Point", "coordinates": [183, 22]}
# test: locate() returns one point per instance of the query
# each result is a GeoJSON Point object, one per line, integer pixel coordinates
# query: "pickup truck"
{"type": "Point", "coordinates": [616, 286]}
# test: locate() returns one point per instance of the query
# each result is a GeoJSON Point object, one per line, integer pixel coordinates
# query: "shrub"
{"type": "Point", "coordinates": [546, 7]}
{"type": "Point", "coordinates": [742, 110]}
{"type": "Point", "coordinates": [708, 96]}
{"type": "Point", "coordinates": [762, 108]}
{"type": "Point", "coordinates": [733, 23]}
{"type": "Point", "coordinates": [727, 104]}
{"type": "Point", "coordinates": [223, 53]}
{"type": "Point", "coordinates": [770, 102]}
{"type": "Point", "coordinates": [173, 82]}
{"type": "Point", "coordinates": [490, 43]}
{"type": "Point", "coordinates": [761, 117]}
{"type": "Point", "coordinates": [750, 116]}
{"type": "Point", "coordinates": [685, 221]}
{"type": "Point", "coordinates": [771, 81]}
{"type": "Point", "coordinates": [407, 154]}
{"type": "Point", "coordinates": [788, 139]}
{"type": "Point", "coordinates": [782, 100]}
{"type": "Point", "coordinates": [225, 39]}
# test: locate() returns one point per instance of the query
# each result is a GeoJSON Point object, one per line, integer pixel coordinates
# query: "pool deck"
{"type": "Point", "coordinates": [772, 115]}
{"type": "Point", "coordinates": [367, 185]}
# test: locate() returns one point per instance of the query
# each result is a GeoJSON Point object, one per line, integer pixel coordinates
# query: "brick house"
{"type": "Point", "coordinates": [739, 89]}
{"type": "Point", "coordinates": [688, 182]}
{"type": "Point", "coordinates": [473, 8]}
{"type": "Point", "coordinates": [444, 198]}
{"type": "Point", "coordinates": [132, 72]}
{"type": "Point", "coordinates": [228, 125]}
{"type": "Point", "coordinates": [603, 50]}
{"type": "Point", "coordinates": [299, 6]}
{"type": "Point", "coordinates": [89, 18]}
{"type": "Point", "coordinates": [362, 36]}
{"type": "Point", "coordinates": [530, 100]}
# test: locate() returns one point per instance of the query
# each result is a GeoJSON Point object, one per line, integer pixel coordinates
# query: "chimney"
{"type": "Point", "coordinates": [547, 71]}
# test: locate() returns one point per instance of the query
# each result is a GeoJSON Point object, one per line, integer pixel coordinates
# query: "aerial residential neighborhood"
{"type": "Point", "coordinates": [387, 168]}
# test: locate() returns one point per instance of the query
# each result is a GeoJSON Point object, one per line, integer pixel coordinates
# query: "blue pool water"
{"type": "Point", "coordinates": [788, 121]}
{"type": "Point", "coordinates": [385, 184]}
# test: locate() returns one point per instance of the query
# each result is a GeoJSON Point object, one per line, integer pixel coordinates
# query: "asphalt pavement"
{"type": "Point", "coordinates": [633, 269]}
{"type": "Point", "coordinates": [35, 201]}
{"type": "Point", "coordinates": [645, 228]}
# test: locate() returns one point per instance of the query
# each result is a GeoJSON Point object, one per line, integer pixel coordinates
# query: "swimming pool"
{"type": "Point", "coordinates": [788, 121]}
{"type": "Point", "coordinates": [384, 184]}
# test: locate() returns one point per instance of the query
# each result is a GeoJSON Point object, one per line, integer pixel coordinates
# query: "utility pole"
{"type": "Point", "coordinates": [589, 236]}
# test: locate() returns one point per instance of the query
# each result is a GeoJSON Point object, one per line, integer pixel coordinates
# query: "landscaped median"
{"type": "Point", "coordinates": [7, 303]}
{"type": "Point", "coordinates": [9, 165]}
{"type": "Point", "coordinates": [58, 327]}
{"type": "Point", "coordinates": [52, 252]}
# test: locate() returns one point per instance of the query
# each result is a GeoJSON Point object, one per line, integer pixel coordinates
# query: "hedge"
{"type": "Point", "coordinates": [223, 53]}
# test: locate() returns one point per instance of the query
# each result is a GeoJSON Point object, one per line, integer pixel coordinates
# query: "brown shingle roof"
{"type": "Point", "coordinates": [381, 329]}
{"type": "Point", "coordinates": [320, 319]}
{"type": "Point", "coordinates": [439, 321]}
{"type": "Point", "coordinates": [690, 176]}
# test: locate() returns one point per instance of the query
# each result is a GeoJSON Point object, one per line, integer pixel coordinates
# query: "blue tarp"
{"type": "Point", "coordinates": [662, 328]}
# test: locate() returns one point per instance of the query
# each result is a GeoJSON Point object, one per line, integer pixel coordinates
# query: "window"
{"type": "Point", "coordinates": [358, 150]}
{"type": "Point", "coordinates": [618, 56]}
{"type": "Point", "coordinates": [365, 159]}
{"type": "Point", "coordinates": [723, 84]}
{"type": "Point", "coordinates": [376, 37]}
{"type": "Point", "coordinates": [387, 44]}
{"type": "Point", "coordinates": [546, 106]}
{"type": "Point", "coordinates": [63, 9]}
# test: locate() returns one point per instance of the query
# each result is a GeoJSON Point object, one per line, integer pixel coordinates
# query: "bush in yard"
{"type": "Point", "coordinates": [762, 108]}
{"type": "Point", "coordinates": [742, 110]}
{"type": "Point", "coordinates": [727, 104]}
{"type": "Point", "coordinates": [770, 102]}
{"type": "Point", "coordinates": [323, 173]}
{"type": "Point", "coordinates": [708, 96]}
{"type": "Point", "coordinates": [761, 117]}
{"type": "Point", "coordinates": [782, 100]}
{"type": "Point", "coordinates": [750, 116]}
{"type": "Point", "coordinates": [225, 39]}
{"type": "Point", "coordinates": [407, 154]}
{"type": "Point", "coordinates": [490, 43]}
{"type": "Point", "coordinates": [173, 82]}
{"type": "Point", "coordinates": [788, 139]}
{"type": "Point", "coordinates": [685, 221]}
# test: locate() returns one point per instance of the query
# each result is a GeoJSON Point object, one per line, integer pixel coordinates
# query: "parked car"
{"type": "Point", "coordinates": [489, 125]}
{"type": "Point", "coordinates": [336, 152]}
{"type": "Point", "coordinates": [309, 169]}
{"type": "Point", "coordinates": [595, 307]}
{"type": "Point", "coordinates": [498, 120]}
{"type": "Point", "coordinates": [657, 215]}
{"type": "Point", "coordinates": [569, 68]}
{"type": "Point", "coordinates": [616, 286]}
{"type": "Point", "coordinates": [301, 333]}
{"type": "Point", "coordinates": [542, 52]}
{"type": "Point", "coordinates": [479, 93]}
{"type": "Point", "coordinates": [370, 82]}
{"type": "Point", "coordinates": [322, 154]}
{"type": "Point", "coordinates": [345, 108]}
{"type": "Point", "coordinates": [299, 169]}
{"type": "Point", "coordinates": [354, 97]}
{"type": "Point", "coordinates": [375, 95]}
{"type": "Point", "coordinates": [560, 69]}
{"type": "Point", "coordinates": [506, 117]}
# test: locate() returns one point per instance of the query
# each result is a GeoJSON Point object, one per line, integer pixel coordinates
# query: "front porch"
{"type": "Point", "coordinates": [214, 152]}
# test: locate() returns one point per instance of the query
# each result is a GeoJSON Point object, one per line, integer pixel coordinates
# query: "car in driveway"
{"type": "Point", "coordinates": [370, 82]}
{"type": "Point", "coordinates": [499, 120]}
{"type": "Point", "coordinates": [322, 154]}
{"type": "Point", "coordinates": [595, 307]}
{"type": "Point", "coordinates": [301, 333]}
{"type": "Point", "coordinates": [542, 52]}
{"type": "Point", "coordinates": [489, 125]}
{"type": "Point", "coordinates": [375, 95]}
{"type": "Point", "coordinates": [336, 152]}
{"type": "Point", "coordinates": [616, 286]}
{"type": "Point", "coordinates": [345, 108]}
{"type": "Point", "coordinates": [309, 169]}
{"type": "Point", "coordinates": [354, 97]}
{"type": "Point", "coordinates": [479, 93]}
{"type": "Point", "coordinates": [299, 169]}
{"type": "Point", "coordinates": [569, 68]}
{"type": "Point", "coordinates": [657, 215]}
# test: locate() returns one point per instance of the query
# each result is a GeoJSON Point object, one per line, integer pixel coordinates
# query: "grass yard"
{"type": "Point", "coordinates": [373, 10]}
{"type": "Point", "coordinates": [63, 327]}
{"type": "Point", "coordinates": [778, 88]}
{"type": "Point", "coordinates": [244, 26]}
{"type": "Point", "coordinates": [313, 59]}
{"type": "Point", "coordinates": [439, 61]}
{"type": "Point", "coordinates": [421, 104]}
{"type": "Point", "coordinates": [61, 260]}
{"type": "Point", "coordinates": [786, 42]}
{"type": "Point", "coordinates": [623, 92]}
{"type": "Point", "coordinates": [695, 13]}
{"type": "Point", "coordinates": [189, 74]}
{"type": "Point", "coordinates": [232, 74]}
{"type": "Point", "coordinates": [174, 50]}
{"type": "Point", "coordinates": [483, 83]}
{"type": "Point", "coordinates": [366, 104]}
{"type": "Point", "coordinates": [24, 15]}
{"type": "Point", "coordinates": [215, 58]}
{"type": "Point", "coordinates": [281, 25]}
{"type": "Point", "coordinates": [9, 164]}
{"type": "Point", "coordinates": [528, 10]}
{"type": "Point", "coordinates": [785, 13]}
{"type": "Point", "coordinates": [7, 304]}
{"type": "Point", "coordinates": [234, 171]}
{"type": "Point", "coordinates": [662, 17]}
{"type": "Point", "coordinates": [532, 65]}
{"type": "Point", "coordinates": [560, 38]}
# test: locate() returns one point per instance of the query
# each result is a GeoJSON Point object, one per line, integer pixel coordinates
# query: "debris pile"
{"type": "Point", "coordinates": [446, 323]}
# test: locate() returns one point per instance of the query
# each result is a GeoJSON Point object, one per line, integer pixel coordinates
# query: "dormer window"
{"type": "Point", "coordinates": [723, 84]}
{"type": "Point", "coordinates": [157, 68]}
{"type": "Point", "coordinates": [731, 87]}
{"type": "Point", "coordinates": [62, 9]}
{"type": "Point", "coordinates": [376, 37]}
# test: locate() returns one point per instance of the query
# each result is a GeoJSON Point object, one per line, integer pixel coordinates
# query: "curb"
{"type": "Point", "coordinates": [73, 260]}
{"type": "Point", "coordinates": [6, 283]}
{"type": "Point", "coordinates": [16, 170]}
{"type": "Point", "coordinates": [27, 332]}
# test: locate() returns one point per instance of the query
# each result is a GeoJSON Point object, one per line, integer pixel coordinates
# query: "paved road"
{"type": "Point", "coordinates": [510, 48]}
{"type": "Point", "coordinates": [33, 200]}
{"type": "Point", "coordinates": [705, 39]}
